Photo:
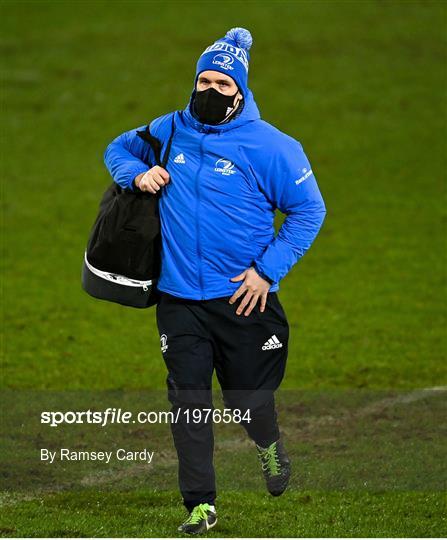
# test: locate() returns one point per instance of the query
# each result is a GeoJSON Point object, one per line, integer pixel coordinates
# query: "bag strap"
{"type": "Point", "coordinates": [153, 142]}
{"type": "Point", "coordinates": [156, 143]}
{"type": "Point", "coordinates": [168, 146]}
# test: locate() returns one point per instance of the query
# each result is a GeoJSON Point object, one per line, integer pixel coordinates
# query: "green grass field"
{"type": "Point", "coordinates": [362, 85]}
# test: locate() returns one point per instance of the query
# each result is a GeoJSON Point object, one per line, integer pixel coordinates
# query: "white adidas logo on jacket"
{"type": "Point", "coordinates": [180, 159]}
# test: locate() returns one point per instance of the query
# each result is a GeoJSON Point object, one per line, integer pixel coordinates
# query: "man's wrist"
{"type": "Point", "coordinates": [137, 179]}
{"type": "Point", "coordinates": [261, 274]}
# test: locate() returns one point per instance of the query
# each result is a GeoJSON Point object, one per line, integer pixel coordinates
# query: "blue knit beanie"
{"type": "Point", "coordinates": [229, 55]}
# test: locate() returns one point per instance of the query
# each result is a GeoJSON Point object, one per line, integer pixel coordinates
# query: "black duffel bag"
{"type": "Point", "coordinates": [123, 256]}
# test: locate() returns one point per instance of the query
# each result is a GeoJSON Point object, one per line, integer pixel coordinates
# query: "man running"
{"type": "Point", "coordinates": [227, 173]}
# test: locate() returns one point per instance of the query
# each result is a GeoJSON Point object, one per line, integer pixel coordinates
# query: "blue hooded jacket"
{"type": "Point", "coordinates": [217, 211]}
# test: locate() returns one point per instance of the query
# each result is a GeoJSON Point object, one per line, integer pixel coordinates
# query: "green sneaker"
{"type": "Point", "coordinates": [275, 465]}
{"type": "Point", "coordinates": [201, 519]}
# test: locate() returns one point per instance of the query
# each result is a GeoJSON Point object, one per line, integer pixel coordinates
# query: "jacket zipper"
{"type": "Point", "coordinates": [199, 253]}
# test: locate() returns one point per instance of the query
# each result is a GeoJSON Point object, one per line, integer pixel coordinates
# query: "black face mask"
{"type": "Point", "coordinates": [211, 106]}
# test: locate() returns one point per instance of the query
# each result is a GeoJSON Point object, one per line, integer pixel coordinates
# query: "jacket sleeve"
{"type": "Point", "coordinates": [126, 157]}
{"type": "Point", "coordinates": [289, 183]}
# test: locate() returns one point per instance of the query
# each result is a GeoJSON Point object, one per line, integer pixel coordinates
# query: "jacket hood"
{"type": "Point", "coordinates": [249, 113]}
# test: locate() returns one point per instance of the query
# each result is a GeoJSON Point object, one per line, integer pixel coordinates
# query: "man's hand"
{"type": "Point", "coordinates": [152, 180]}
{"type": "Point", "coordinates": [254, 287]}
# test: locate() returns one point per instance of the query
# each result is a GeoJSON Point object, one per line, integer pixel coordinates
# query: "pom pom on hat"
{"type": "Point", "coordinates": [241, 36]}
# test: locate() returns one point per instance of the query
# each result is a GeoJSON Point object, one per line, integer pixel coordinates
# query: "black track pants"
{"type": "Point", "coordinates": [249, 355]}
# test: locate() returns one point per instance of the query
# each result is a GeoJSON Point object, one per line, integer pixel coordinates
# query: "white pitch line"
{"type": "Point", "coordinates": [410, 397]}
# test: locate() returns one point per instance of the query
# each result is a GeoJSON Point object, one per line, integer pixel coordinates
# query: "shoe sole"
{"type": "Point", "coordinates": [208, 527]}
{"type": "Point", "coordinates": [277, 493]}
